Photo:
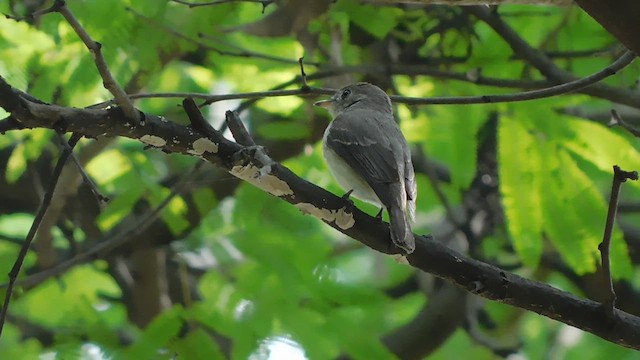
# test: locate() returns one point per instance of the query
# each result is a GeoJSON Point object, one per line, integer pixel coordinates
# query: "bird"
{"type": "Point", "coordinates": [369, 156]}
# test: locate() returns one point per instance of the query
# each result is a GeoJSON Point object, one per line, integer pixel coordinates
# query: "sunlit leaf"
{"type": "Point", "coordinates": [603, 147]}
{"type": "Point", "coordinates": [520, 164]}
{"type": "Point", "coordinates": [17, 164]}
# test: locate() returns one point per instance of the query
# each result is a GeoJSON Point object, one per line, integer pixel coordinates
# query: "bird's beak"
{"type": "Point", "coordinates": [323, 103]}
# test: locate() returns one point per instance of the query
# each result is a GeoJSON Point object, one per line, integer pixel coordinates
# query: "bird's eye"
{"type": "Point", "coordinates": [345, 94]}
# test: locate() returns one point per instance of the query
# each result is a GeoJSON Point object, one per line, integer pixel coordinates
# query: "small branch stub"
{"type": "Point", "coordinates": [303, 75]}
{"type": "Point", "coordinates": [619, 176]}
{"type": "Point", "coordinates": [237, 128]}
{"type": "Point", "coordinates": [616, 119]}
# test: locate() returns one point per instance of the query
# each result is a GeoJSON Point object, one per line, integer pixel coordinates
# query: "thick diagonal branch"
{"type": "Point", "coordinates": [431, 256]}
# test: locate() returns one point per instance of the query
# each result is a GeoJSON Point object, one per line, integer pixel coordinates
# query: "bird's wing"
{"type": "Point", "coordinates": [370, 156]}
{"type": "Point", "coordinates": [410, 186]}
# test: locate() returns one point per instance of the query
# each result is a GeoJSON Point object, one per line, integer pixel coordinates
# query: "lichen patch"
{"type": "Point", "coordinates": [263, 179]}
{"type": "Point", "coordinates": [340, 217]}
{"type": "Point", "coordinates": [203, 145]}
{"type": "Point", "coordinates": [153, 140]}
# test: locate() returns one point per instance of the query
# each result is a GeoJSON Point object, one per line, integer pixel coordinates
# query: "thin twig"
{"type": "Point", "coordinates": [568, 87]}
{"type": "Point", "coordinates": [96, 50]}
{"type": "Point", "coordinates": [616, 119]}
{"type": "Point", "coordinates": [619, 176]}
{"type": "Point", "coordinates": [198, 122]}
{"type": "Point", "coordinates": [46, 200]}
{"type": "Point", "coordinates": [574, 54]}
{"type": "Point", "coordinates": [303, 75]}
{"type": "Point", "coordinates": [237, 128]}
{"type": "Point", "coordinates": [114, 240]}
{"type": "Point", "coordinates": [271, 93]}
{"type": "Point", "coordinates": [412, 70]}
{"type": "Point", "coordinates": [218, 2]}
{"type": "Point", "coordinates": [101, 199]}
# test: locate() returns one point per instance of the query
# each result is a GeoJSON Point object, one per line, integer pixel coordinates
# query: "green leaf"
{"type": "Point", "coordinates": [175, 212]}
{"type": "Point", "coordinates": [562, 223]}
{"type": "Point", "coordinates": [157, 335]}
{"type": "Point", "coordinates": [119, 207]}
{"type": "Point", "coordinates": [520, 164]}
{"type": "Point", "coordinates": [72, 301]}
{"type": "Point", "coordinates": [575, 214]}
{"type": "Point", "coordinates": [221, 305]}
{"type": "Point", "coordinates": [284, 130]}
{"type": "Point", "coordinates": [17, 164]}
{"type": "Point", "coordinates": [108, 166]}
{"type": "Point", "coordinates": [447, 135]}
{"type": "Point", "coordinates": [197, 345]}
{"type": "Point", "coordinates": [602, 146]}
{"type": "Point", "coordinates": [30, 148]}
{"type": "Point", "coordinates": [205, 200]}
{"type": "Point", "coordinates": [376, 20]}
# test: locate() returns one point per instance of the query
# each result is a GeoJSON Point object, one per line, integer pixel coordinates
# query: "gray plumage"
{"type": "Point", "coordinates": [367, 153]}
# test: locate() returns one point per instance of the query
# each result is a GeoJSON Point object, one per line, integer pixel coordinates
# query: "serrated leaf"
{"type": "Point", "coordinates": [576, 214]}
{"type": "Point", "coordinates": [448, 135]}
{"type": "Point", "coordinates": [602, 146]}
{"type": "Point", "coordinates": [562, 224]}
{"type": "Point", "coordinates": [519, 169]}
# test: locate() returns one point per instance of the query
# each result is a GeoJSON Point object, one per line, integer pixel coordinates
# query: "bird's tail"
{"type": "Point", "coordinates": [401, 233]}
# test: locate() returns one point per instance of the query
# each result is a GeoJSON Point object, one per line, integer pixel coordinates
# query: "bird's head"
{"type": "Point", "coordinates": [357, 96]}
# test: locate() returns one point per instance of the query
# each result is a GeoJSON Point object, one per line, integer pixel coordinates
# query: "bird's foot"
{"type": "Point", "coordinates": [407, 245]}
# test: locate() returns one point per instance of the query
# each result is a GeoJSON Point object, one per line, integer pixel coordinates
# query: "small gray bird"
{"type": "Point", "coordinates": [368, 155]}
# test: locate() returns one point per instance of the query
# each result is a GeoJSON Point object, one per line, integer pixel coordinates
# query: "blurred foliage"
{"type": "Point", "coordinates": [283, 284]}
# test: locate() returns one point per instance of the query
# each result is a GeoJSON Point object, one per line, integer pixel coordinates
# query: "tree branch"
{"type": "Point", "coordinates": [542, 62]}
{"type": "Point", "coordinates": [473, 2]}
{"type": "Point", "coordinates": [431, 256]}
{"type": "Point", "coordinates": [15, 270]}
{"type": "Point", "coordinates": [616, 119]}
{"type": "Point", "coordinates": [96, 50]}
{"type": "Point", "coordinates": [543, 88]}
{"type": "Point", "coordinates": [100, 199]}
{"type": "Point", "coordinates": [619, 176]}
{"type": "Point", "coordinates": [219, 2]}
